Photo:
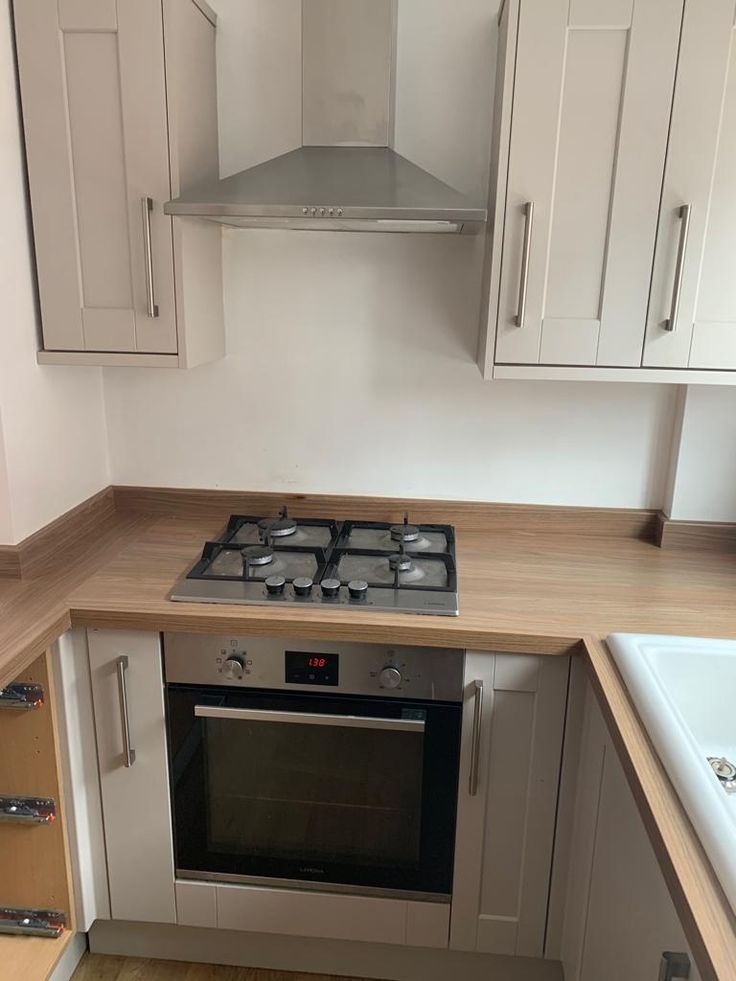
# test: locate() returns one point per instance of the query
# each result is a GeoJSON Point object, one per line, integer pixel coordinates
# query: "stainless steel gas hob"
{"type": "Point", "coordinates": [358, 565]}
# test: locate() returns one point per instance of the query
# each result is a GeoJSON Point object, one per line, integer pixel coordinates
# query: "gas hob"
{"type": "Point", "coordinates": [356, 565]}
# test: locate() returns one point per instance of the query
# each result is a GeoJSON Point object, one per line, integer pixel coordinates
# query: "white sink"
{"type": "Point", "coordinates": [684, 689]}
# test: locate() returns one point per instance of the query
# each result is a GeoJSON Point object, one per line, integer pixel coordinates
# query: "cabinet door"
{"type": "Point", "coordinates": [506, 816]}
{"type": "Point", "coordinates": [694, 268]}
{"type": "Point", "coordinates": [620, 918]}
{"type": "Point", "coordinates": [591, 105]}
{"type": "Point", "coordinates": [135, 798]}
{"type": "Point", "coordinates": [94, 109]}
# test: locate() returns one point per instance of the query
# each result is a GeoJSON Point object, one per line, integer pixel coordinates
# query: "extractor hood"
{"type": "Point", "coordinates": [333, 188]}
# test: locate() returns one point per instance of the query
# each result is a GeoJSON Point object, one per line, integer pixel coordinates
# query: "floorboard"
{"type": "Point", "coordinates": [99, 967]}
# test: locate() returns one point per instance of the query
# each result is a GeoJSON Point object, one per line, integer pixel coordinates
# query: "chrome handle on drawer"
{"type": "Point", "coordinates": [22, 695]}
{"type": "Point", "coordinates": [475, 747]}
{"type": "Point", "coordinates": [152, 307]}
{"type": "Point", "coordinates": [32, 922]}
{"type": "Point", "coordinates": [27, 810]}
{"type": "Point", "coordinates": [674, 967]}
{"type": "Point", "coordinates": [685, 212]}
{"type": "Point", "coordinates": [525, 255]}
{"type": "Point", "coordinates": [128, 752]}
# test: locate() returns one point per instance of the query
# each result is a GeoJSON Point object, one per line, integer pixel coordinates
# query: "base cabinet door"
{"type": "Point", "coordinates": [619, 919]}
{"type": "Point", "coordinates": [513, 724]}
{"type": "Point", "coordinates": [128, 695]}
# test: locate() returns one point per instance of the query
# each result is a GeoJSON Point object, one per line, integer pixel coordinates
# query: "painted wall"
{"type": "Point", "coordinates": [53, 422]}
{"type": "Point", "coordinates": [704, 479]}
{"type": "Point", "coordinates": [351, 364]}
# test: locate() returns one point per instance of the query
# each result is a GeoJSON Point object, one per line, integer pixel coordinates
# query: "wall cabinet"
{"type": "Point", "coordinates": [619, 917]}
{"type": "Point", "coordinates": [128, 696]}
{"type": "Point", "coordinates": [595, 267]}
{"type": "Point", "coordinates": [513, 723]}
{"type": "Point", "coordinates": [120, 114]}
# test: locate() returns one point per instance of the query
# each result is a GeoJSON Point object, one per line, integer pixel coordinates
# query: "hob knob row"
{"type": "Point", "coordinates": [357, 588]}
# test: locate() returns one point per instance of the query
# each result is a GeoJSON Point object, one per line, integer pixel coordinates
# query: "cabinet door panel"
{"type": "Point", "coordinates": [505, 830]}
{"type": "Point", "coordinates": [135, 799]}
{"type": "Point", "coordinates": [592, 94]}
{"type": "Point", "coordinates": [701, 163]}
{"type": "Point", "coordinates": [94, 104]}
{"type": "Point", "coordinates": [620, 917]}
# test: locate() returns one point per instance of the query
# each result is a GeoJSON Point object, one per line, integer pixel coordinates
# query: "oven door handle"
{"type": "Point", "coordinates": [309, 718]}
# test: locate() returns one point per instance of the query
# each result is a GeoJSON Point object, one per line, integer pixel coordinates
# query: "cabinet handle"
{"type": "Point", "coordinates": [128, 752]}
{"type": "Point", "coordinates": [152, 307]}
{"type": "Point", "coordinates": [684, 213]}
{"type": "Point", "coordinates": [674, 967]}
{"type": "Point", "coordinates": [475, 749]}
{"type": "Point", "coordinates": [525, 253]}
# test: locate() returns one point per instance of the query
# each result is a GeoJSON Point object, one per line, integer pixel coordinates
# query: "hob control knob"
{"type": "Point", "coordinates": [233, 668]}
{"type": "Point", "coordinates": [330, 588]}
{"type": "Point", "coordinates": [275, 585]}
{"type": "Point", "coordinates": [390, 677]}
{"type": "Point", "coordinates": [358, 589]}
{"type": "Point", "coordinates": [303, 586]}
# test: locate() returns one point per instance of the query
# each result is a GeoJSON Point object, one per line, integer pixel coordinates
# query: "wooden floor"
{"type": "Point", "coordinates": [96, 967]}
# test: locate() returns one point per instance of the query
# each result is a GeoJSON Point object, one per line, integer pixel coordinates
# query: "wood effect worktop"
{"type": "Point", "coordinates": [530, 591]}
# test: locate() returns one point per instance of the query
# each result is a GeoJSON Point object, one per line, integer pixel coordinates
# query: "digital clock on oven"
{"type": "Point", "coordinates": [306, 668]}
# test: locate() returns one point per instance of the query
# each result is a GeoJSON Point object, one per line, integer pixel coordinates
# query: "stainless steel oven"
{"type": "Point", "coordinates": [314, 764]}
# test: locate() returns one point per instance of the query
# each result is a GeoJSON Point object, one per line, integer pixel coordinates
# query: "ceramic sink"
{"type": "Point", "coordinates": [684, 689]}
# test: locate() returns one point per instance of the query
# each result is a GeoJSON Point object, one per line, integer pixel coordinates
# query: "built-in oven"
{"type": "Point", "coordinates": [314, 764]}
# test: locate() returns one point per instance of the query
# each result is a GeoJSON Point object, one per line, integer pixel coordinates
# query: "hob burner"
{"type": "Point", "coordinates": [258, 554]}
{"type": "Point", "coordinates": [405, 532]}
{"type": "Point", "coordinates": [400, 561]}
{"type": "Point", "coordinates": [280, 527]}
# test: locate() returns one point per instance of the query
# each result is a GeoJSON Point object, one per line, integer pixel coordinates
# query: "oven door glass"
{"type": "Point", "coordinates": [354, 792]}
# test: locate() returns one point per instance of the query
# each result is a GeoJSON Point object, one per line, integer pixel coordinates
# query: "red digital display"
{"type": "Point", "coordinates": [306, 668]}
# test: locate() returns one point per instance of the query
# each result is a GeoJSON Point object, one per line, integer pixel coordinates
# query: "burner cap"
{"type": "Point", "coordinates": [278, 527]}
{"type": "Point", "coordinates": [403, 562]}
{"type": "Point", "coordinates": [258, 554]}
{"type": "Point", "coordinates": [404, 533]}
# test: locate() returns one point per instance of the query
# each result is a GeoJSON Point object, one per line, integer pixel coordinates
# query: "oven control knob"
{"type": "Point", "coordinates": [358, 589]}
{"type": "Point", "coordinates": [330, 588]}
{"type": "Point", "coordinates": [303, 586]}
{"type": "Point", "coordinates": [233, 668]}
{"type": "Point", "coordinates": [390, 677]}
{"type": "Point", "coordinates": [275, 585]}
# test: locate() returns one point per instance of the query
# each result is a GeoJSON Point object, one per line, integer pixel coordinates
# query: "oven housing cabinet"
{"type": "Point", "coordinates": [314, 790]}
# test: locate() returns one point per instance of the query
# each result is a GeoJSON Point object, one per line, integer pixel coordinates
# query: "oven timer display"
{"type": "Point", "coordinates": [304, 668]}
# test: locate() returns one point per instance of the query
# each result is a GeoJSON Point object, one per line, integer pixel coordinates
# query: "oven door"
{"type": "Point", "coordinates": [321, 791]}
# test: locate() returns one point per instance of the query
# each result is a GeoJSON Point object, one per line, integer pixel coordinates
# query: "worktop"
{"type": "Point", "coordinates": [531, 591]}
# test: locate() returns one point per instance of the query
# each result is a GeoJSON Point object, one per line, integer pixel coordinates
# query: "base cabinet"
{"type": "Point", "coordinates": [128, 695]}
{"type": "Point", "coordinates": [619, 918]}
{"type": "Point", "coordinates": [513, 724]}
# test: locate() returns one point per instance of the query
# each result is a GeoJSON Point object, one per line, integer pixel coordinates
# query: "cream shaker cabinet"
{"type": "Point", "coordinates": [120, 113]}
{"type": "Point", "coordinates": [692, 315]}
{"type": "Point", "coordinates": [596, 269]}
{"type": "Point", "coordinates": [619, 920]}
{"type": "Point", "coordinates": [128, 698]}
{"type": "Point", "coordinates": [513, 723]}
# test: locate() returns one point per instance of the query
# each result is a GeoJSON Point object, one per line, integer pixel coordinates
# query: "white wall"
{"type": "Point", "coordinates": [53, 422]}
{"type": "Point", "coordinates": [704, 484]}
{"type": "Point", "coordinates": [351, 365]}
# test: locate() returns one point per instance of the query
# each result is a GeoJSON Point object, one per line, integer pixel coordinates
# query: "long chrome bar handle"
{"type": "Point", "coordinates": [684, 214]}
{"type": "Point", "coordinates": [152, 307]}
{"type": "Point", "coordinates": [475, 746]}
{"type": "Point", "coordinates": [674, 967]}
{"type": "Point", "coordinates": [128, 752]}
{"type": "Point", "coordinates": [525, 254]}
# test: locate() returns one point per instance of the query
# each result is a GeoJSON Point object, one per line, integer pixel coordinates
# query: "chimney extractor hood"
{"type": "Point", "coordinates": [333, 188]}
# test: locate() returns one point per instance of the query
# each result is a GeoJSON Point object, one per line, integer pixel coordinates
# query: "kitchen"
{"type": "Point", "coordinates": [327, 648]}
